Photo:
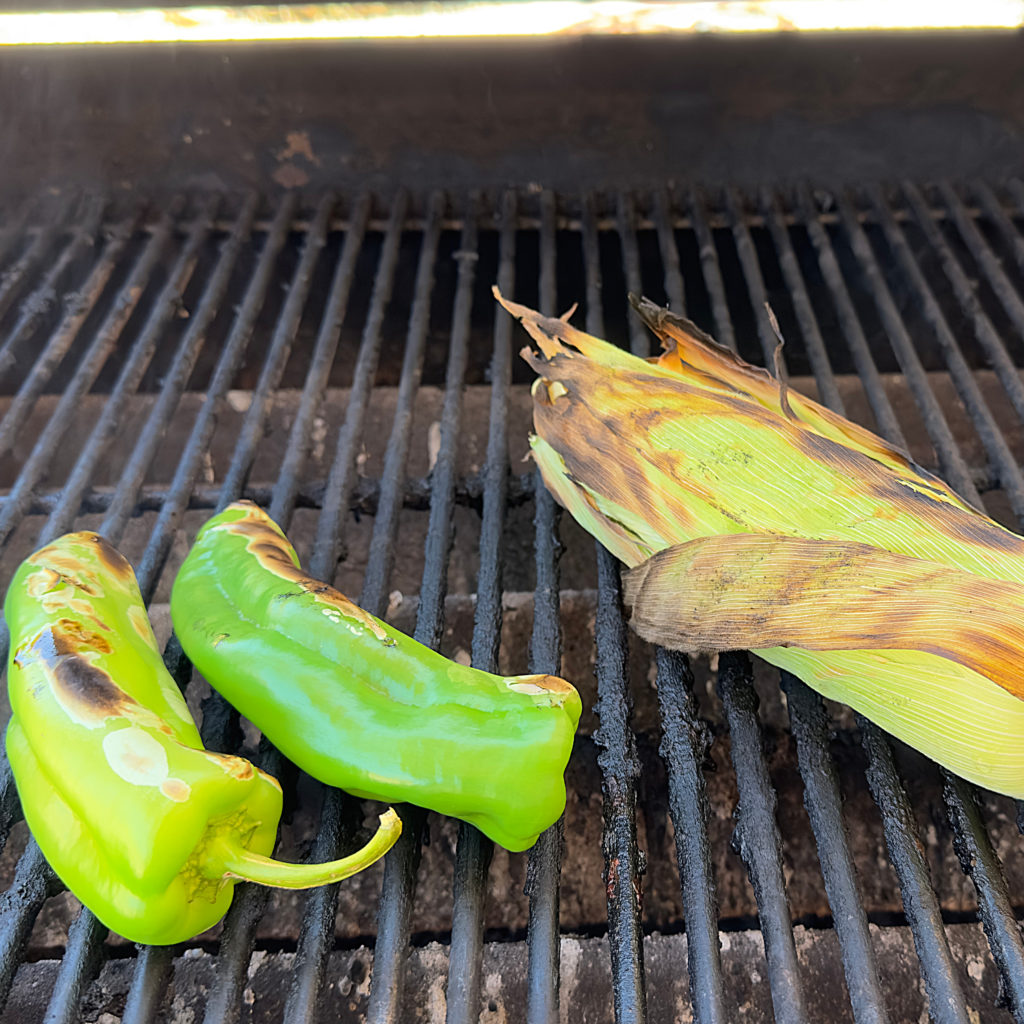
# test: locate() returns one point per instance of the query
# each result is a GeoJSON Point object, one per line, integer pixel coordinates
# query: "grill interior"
{"type": "Point", "coordinates": [732, 848]}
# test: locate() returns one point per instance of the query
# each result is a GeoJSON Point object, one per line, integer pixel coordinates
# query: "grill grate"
{"type": "Point", "coordinates": [919, 293]}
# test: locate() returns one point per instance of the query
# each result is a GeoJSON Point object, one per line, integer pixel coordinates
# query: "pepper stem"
{"type": "Point", "coordinates": [253, 867]}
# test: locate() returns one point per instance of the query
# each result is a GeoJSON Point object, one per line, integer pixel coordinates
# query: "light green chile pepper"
{"type": "Point", "coordinates": [359, 705]}
{"type": "Point", "coordinates": [148, 829]}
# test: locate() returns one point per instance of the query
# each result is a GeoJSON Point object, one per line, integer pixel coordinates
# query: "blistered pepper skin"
{"type": "Point", "coordinates": [359, 705]}
{"type": "Point", "coordinates": [146, 827]}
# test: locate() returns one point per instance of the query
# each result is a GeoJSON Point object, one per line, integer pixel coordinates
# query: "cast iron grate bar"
{"type": "Point", "coordinates": [823, 801]}
{"type": "Point", "coordinates": [80, 962]}
{"type": "Point", "coordinates": [618, 761]}
{"type": "Point", "coordinates": [711, 270]}
{"type": "Point", "coordinates": [946, 1001]}
{"type": "Point", "coordinates": [756, 837]}
{"type": "Point", "coordinates": [36, 307]}
{"type": "Point", "coordinates": [33, 884]}
{"type": "Point", "coordinates": [686, 742]}
{"type": "Point", "coordinates": [979, 860]}
{"type": "Point", "coordinates": [966, 296]}
{"type": "Point", "coordinates": [982, 253]}
{"type": "Point", "coordinates": [13, 278]}
{"type": "Point", "coordinates": [638, 338]}
{"type": "Point", "coordinates": [474, 850]}
{"type": "Point", "coordinates": [280, 347]}
{"type": "Point", "coordinates": [545, 863]}
{"type": "Point", "coordinates": [341, 479]}
{"type": "Point", "coordinates": [10, 806]}
{"type": "Point", "coordinates": [380, 563]}
{"type": "Point", "coordinates": [14, 232]}
{"type": "Point", "coordinates": [366, 495]}
{"type": "Point", "coordinates": [774, 357]}
{"type": "Point", "coordinates": [669, 252]}
{"type": "Point", "coordinates": [994, 211]}
{"type": "Point", "coordinates": [814, 344]}
{"type": "Point", "coordinates": [849, 323]}
{"type": "Point", "coordinates": [149, 982]}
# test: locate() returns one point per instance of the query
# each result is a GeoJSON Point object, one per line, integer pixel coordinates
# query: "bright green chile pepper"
{"type": "Point", "coordinates": [359, 705]}
{"type": "Point", "coordinates": [148, 829]}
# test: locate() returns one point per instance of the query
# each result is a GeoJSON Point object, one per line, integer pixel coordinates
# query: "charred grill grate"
{"type": "Point", "coordinates": [145, 359]}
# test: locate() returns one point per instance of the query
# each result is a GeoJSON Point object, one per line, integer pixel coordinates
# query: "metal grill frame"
{"type": "Point", "coordinates": [685, 738]}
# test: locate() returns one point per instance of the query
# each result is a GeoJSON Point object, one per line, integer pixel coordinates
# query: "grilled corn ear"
{"type": "Point", "coordinates": [751, 516]}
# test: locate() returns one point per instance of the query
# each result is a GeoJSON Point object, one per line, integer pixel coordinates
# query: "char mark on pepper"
{"type": "Point", "coordinates": [84, 690]}
{"type": "Point", "coordinates": [63, 570]}
{"type": "Point", "coordinates": [275, 553]}
{"type": "Point", "coordinates": [112, 558]}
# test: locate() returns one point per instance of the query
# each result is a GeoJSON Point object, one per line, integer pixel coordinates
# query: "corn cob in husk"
{"type": "Point", "coordinates": [752, 517]}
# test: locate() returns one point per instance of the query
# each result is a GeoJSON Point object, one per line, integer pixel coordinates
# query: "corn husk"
{"type": "Point", "coordinates": [753, 517]}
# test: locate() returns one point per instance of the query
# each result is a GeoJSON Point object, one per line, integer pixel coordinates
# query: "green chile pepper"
{"type": "Point", "coordinates": [148, 829]}
{"type": "Point", "coordinates": [359, 705]}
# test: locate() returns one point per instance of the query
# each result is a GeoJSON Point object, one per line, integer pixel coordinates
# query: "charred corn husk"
{"type": "Point", "coordinates": [753, 517]}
